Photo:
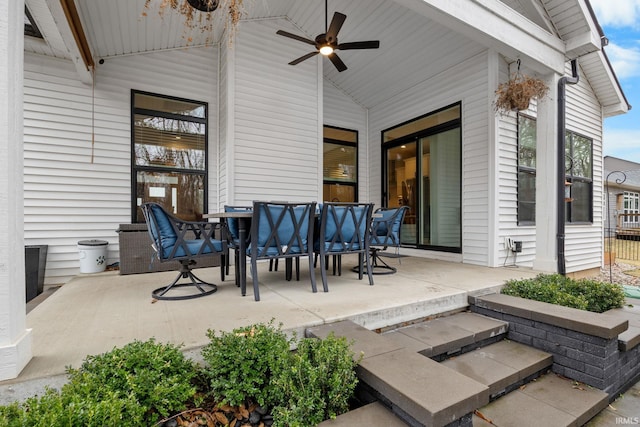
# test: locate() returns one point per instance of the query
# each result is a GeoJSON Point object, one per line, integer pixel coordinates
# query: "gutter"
{"type": "Point", "coordinates": [561, 173]}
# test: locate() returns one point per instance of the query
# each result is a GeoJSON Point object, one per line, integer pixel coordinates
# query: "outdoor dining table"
{"type": "Point", "coordinates": [244, 223]}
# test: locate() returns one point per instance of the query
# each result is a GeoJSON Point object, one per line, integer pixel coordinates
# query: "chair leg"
{"type": "Point", "coordinates": [254, 276]}
{"type": "Point", "coordinates": [313, 276]}
{"type": "Point", "coordinates": [298, 268]}
{"type": "Point", "coordinates": [224, 260]}
{"type": "Point", "coordinates": [185, 273]}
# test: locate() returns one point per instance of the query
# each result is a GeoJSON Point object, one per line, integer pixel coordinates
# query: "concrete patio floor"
{"type": "Point", "coordinates": [94, 313]}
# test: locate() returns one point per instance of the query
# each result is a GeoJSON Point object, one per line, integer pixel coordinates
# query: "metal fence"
{"type": "Point", "coordinates": [623, 242]}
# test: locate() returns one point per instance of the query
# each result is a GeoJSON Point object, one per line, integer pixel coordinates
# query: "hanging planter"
{"type": "Point", "coordinates": [195, 20]}
{"type": "Point", "coordinates": [204, 5]}
{"type": "Point", "coordinates": [517, 93]}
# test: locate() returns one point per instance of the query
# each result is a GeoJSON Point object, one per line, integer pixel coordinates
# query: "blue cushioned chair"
{"type": "Point", "coordinates": [344, 229]}
{"type": "Point", "coordinates": [281, 230]}
{"type": "Point", "coordinates": [385, 233]}
{"type": "Point", "coordinates": [183, 241]}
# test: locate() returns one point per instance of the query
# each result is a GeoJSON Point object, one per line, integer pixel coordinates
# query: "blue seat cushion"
{"type": "Point", "coordinates": [193, 247]}
{"type": "Point", "coordinates": [332, 241]}
{"type": "Point", "coordinates": [232, 223]}
{"type": "Point", "coordinates": [381, 224]}
{"type": "Point", "coordinates": [286, 228]}
{"type": "Point", "coordinates": [165, 232]}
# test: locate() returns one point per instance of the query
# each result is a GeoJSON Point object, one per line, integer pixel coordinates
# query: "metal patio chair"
{"type": "Point", "coordinates": [174, 239]}
{"type": "Point", "coordinates": [385, 233]}
{"type": "Point", "coordinates": [281, 230]}
{"type": "Point", "coordinates": [344, 229]}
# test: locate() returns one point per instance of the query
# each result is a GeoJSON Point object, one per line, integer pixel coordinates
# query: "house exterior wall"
{"type": "Point", "coordinates": [583, 243]}
{"type": "Point", "coordinates": [276, 120]}
{"type": "Point", "coordinates": [70, 197]}
{"type": "Point", "coordinates": [466, 82]}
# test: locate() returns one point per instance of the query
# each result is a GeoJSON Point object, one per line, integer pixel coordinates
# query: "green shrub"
{"type": "Point", "coordinates": [130, 386]}
{"type": "Point", "coordinates": [243, 363]}
{"type": "Point", "coordinates": [157, 376]}
{"type": "Point", "coordinates": [584, 294]}
{"type": "Point", "coordinates": [318, 384]}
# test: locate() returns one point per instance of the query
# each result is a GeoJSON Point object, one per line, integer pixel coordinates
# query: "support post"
{"type": "Point", "coordinates": [15, 338]}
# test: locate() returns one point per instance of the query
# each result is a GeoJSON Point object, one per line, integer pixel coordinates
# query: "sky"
{"type": "Point", "coordinates": [620, 21]}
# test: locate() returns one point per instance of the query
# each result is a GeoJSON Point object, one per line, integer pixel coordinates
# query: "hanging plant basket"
{"type": "Point", "coordinates": [204, 5]}
{"type": "Point", "coordinates": [517, 93]}
{"type": "Point", "coordinates": [231, 12]}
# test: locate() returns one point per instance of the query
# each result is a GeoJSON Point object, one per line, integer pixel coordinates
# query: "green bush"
{"type": "Point", "coordinates": [129, 386]}
{"type": "Point", "coordinates": [243, 363]}
{"type": "Point", "coordinates": [584, 294]}
{"type": "Point", "coordinates": [318, 384]}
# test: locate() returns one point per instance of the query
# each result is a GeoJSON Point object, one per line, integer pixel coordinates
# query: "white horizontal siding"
{"type": "Point", "coordinates": [276, 122]}
{"type": "Point", "coordinates": [466, 81]}
{"type": "Point", "coordinates": [68, 197]}
{"type": "Point", "coordinates": [507, 193]}
{"type": "Point", "coordinates": [584, 244]}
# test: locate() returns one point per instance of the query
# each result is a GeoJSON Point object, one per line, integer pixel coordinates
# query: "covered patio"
{"type": "Point", "coordinates": [92, 313]}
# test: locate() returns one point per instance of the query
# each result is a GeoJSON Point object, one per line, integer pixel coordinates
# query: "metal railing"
{"type": "Point", "coordinates": [623, 242]}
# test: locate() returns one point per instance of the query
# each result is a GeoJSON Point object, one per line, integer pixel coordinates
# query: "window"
{"type": "Point", "coordinates": [169, 154]}
{"type": "Point", "coordinates": [631, 210]}
{"type": "Point", "coordinates": [579, 173]}
{"type": "Point", "coordinates": [340, 165]}
{"type": "Point", "coordinates": [526, 170]}
{"type": "Point", "coordinates": [30, 27]}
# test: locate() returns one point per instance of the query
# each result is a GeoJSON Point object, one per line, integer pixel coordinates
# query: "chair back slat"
{"type": "Point", "coordinates": [281, 229]}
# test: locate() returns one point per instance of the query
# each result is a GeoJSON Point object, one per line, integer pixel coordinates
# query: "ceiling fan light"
{"type": "Point", "coordinates": [326, 50]}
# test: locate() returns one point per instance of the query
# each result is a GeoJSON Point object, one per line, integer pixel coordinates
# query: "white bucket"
{"type": "Point", "coordinates": [93, 255]}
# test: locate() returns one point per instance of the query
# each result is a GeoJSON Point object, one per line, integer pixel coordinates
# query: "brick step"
{"type": "Point", "coordinates": [419, 390]}
{"type": "Point", "coordinates": [444, 337]}
{"type": "Point", "coordinates": [550, 400]}
{"type": "Point", "coordinates": [503, 366]}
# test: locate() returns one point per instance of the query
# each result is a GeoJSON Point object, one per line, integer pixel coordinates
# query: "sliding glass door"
{"type": "Point", "coordinates": [422, 165]}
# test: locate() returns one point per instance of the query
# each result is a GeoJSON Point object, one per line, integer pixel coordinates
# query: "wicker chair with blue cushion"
{"type": "Point", "coordinates": [183, 241]}
{"type": "Point", "coordinates": [385, 233]}
{"type": "Point", "coordinates": [344, 229]}
{"type": "Point", "coordinates": [281, 230]}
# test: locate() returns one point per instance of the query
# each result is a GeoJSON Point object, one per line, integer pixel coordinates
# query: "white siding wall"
{"type": "Point", "coordinates": [507, 193]}
{"type": "Point", "coordinates": [67, 196]}
{"type": "Point", "coordinates": [341, 111]}
{"type": "Point", "coordinates": [584, 245]}
{"type": "Point", "coordinates": [467, 82]}
{"type": "Point", "coordinates": [276, 118]}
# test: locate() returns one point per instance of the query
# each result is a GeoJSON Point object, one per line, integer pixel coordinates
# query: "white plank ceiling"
{"type": "Point", "coordinates": [412, 47]}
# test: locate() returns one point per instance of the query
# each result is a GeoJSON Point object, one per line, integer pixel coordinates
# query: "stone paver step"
{"type": "Point", "coordinates": [416, 387]}
{"type": "Point", "coordinates": [502, 366]}
{"type": "Point", "coordinates": [629, 339]}
{"type": "Point", "coordinates": [373, 414]}
{"type": "Point", "coordinates": [550, 400]}
{"type": "Point", "coordinates": [445, 336]}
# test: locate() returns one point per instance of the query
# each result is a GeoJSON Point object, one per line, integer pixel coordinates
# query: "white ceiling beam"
{"type": "Point", "coordinates": [499, 27]}
{"type": "Point", "coordinates": [66, 33]}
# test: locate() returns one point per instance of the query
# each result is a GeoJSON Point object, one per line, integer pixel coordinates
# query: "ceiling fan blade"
{"type": "Point", "coordinates": [302, 58]}
{"type": "Point", "coordinates": [296, 37]}
{"type": "Point", "coordinates": [334, 27]}
{"type": "Point", "coordinates": [371, 44]}
{"type": "Point", "coordinates": [337, 62]}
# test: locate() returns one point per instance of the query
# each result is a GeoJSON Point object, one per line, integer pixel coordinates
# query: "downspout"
{"type": "Point", "coordinates": [561, 173]}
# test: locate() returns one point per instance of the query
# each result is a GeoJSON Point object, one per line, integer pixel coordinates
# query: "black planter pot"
{"type": "Point", "coordinates": [204, 5]}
